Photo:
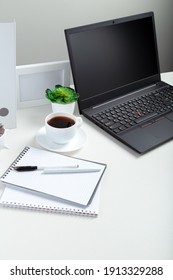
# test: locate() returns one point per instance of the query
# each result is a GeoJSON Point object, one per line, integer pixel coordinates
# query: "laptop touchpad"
{"type": "Point", "coordinates": [140, 139]}
{"type": "Point", "coordinates": [143, 139]}
{"type": "Point", "coordinates": [163, 129]}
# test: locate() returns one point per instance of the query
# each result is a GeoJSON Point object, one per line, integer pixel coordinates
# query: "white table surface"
{"type": "Point", "coordinates": [136, 204]}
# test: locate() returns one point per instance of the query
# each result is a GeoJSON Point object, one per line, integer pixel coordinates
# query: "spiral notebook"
{"type": "Point", "coordinates": [14, 197]}
{"type": "Point", "coordinates": [76, 188]}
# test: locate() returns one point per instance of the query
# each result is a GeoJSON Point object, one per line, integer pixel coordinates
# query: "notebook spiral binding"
{"type": "Point", "coordinates": [15, 161]}
{"type": "Point", "coordinates": [47, 209]}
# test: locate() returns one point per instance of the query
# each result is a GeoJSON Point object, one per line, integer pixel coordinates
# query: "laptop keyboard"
{"type": "Point", "coordinates": [134, 112]}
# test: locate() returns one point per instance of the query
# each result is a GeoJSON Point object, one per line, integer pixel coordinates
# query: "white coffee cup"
{"type": "Point", "coordinates": [61, 127]}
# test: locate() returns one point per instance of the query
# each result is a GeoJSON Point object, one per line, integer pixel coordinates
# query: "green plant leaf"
{"type": "Point", "coordinates": [61, 94]}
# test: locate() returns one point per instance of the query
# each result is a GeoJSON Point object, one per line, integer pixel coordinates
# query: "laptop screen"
{"type": "Point", "coordinates": [111, 58]}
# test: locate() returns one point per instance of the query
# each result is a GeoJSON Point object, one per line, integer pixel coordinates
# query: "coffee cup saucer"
{"type": "Point", "coordinates": [75, 143]}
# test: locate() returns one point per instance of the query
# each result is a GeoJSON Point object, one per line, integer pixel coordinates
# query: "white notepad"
{"type": "Point", "coordinates": [25, 199]}
{"type": "Point", "coordinates": [76, 187]}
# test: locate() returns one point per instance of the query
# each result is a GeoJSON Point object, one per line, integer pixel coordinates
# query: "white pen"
{"type": "Point", "coordinates": [34, 167]}
{"type": "Point", "coordinates": [73, 170]}
{"type": "Point", "coordinates": [61, 169]}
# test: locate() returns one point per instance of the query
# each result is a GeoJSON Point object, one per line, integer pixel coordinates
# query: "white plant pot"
{"type": "Point", "coordinates": [68, 108]}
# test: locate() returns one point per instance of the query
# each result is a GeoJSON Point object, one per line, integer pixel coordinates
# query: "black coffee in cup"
{"type": "Point", "coordinates": [61, 122]}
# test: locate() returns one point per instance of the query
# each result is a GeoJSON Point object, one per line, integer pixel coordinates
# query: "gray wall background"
{"type": "Point", "coordinates": [41, 23]}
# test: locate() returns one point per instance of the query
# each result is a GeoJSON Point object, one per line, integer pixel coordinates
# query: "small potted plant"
{"type": "Point", "coordinates": [62, 98]}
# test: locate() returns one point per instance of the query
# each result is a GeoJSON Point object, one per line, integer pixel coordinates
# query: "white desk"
{"type": "Point", "coordinates": [136, 205]}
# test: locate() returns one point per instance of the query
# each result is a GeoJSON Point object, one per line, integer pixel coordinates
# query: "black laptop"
{"type": "Point", "coordinates": [115, 67]}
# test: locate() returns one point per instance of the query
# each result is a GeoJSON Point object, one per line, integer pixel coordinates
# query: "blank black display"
{"type": "Point", "coordinates": [105, 58]}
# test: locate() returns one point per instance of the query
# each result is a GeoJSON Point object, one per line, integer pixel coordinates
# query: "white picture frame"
{"type": "Point", "coordinates": [34, 79]}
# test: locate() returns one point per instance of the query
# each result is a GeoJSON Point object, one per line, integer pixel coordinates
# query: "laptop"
{"type": "Point", "coordinates": [115, 68]}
